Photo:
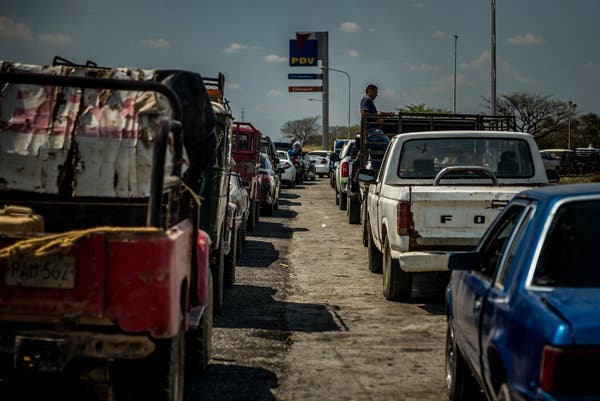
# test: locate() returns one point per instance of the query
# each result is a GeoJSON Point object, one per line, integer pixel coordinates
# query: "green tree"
{"type": "Point", "coordinates": [301, 130]}
{"type": "Point", "coordinates": [422, 108]}
{"type": "Point", "coordinates": [539, 115]}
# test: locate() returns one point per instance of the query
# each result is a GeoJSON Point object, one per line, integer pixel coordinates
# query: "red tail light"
{"type": "Point", "coordinates": [344, 168]}
{"type": "Point", "coordinates": [286, 166]}
{"type": "Point", "coordinates": [404, 218]}
{"type": "Point", "coordinates": [323, 161]}
{"type": "Point", "coordinates": [570, 371]}
{"type": "Point", "coordinates": [265, 178]}
{"type": "Point", "coordinates": [295, 160]}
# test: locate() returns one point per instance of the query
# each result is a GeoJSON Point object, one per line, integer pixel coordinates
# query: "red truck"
{"type": "Point", "coordinates": [115, 290]}
{"type": "Point", "coordinates": [246, 153]}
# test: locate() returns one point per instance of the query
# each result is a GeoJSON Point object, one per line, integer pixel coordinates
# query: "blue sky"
{"type": "Point", "coordinates": [550, 47]}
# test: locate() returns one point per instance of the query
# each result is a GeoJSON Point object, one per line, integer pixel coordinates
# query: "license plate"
{"type": "Point", "coordinates": [42, 272]}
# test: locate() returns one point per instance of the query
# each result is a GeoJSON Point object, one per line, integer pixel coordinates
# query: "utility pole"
{"type": "Point", "coordinates": [243, 114]}
{"type": "Point", "coordinates": [454, 98]}
{"type": "Point", "coordinates": [493, 95]}
{"type": "Point", "coordinates": [323, 42]}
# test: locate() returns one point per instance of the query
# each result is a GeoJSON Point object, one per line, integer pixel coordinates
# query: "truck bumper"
{"type": "Point", "coordinates": [414, 262]}
{"type": "Point", "coordinates": [51, 351]}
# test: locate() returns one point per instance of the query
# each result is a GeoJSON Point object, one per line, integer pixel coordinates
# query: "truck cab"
{"type": "Point", "coordinates": [246, 152]}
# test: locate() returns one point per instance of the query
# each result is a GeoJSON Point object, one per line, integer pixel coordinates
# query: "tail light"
{"type": "Point", "coordinates": [570, 371]}
{"type": "Point", "coordinates": [323, 161]}
{"type": "Point", "coordinates": [265, 178]}
{"type": "Point", "coordinates": [344, 169]}
{"type": "Point", "coordinates": [295, 160]}
{"type": "Point", "coordinates": [286, 166]}
{"type": "Point", "coordinates": [404, 218]}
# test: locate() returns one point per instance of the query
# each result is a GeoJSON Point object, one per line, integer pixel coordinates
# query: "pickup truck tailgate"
{"type": "Point", "coordinates": [455, 216]}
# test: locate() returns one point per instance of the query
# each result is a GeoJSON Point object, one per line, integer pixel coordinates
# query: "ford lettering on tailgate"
{"type": "Point", "coordinates": [43, 272]}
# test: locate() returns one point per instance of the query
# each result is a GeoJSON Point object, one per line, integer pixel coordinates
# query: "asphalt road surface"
{"type": "Point", "coordinates": [306, 319]}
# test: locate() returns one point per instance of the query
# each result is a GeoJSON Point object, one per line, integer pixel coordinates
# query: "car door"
{"type": "Point", "coordinates": [474, 286]}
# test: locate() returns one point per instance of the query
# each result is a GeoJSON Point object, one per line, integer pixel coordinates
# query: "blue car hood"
{"type": "Point", "coordinates": [581, 308]}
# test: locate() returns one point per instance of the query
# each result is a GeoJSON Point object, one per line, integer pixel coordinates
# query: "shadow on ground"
{"type": "Point", "coordinates": [234, 382]}
{"type": "Point", "coordinates": [254, 307]}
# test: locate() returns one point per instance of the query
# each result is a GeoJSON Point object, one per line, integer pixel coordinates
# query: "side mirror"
{"type": "Point", "coordinates": [464, 261]}
{"type": "Point", "coordinates": [367, 175]}
{"type": "Point", "coordinates": [552, 175]}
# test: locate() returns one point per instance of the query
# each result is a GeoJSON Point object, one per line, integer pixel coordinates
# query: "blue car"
{"type": "Point", "coordinates": [524, 307]}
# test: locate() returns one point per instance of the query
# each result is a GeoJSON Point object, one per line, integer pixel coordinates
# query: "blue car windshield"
{"type": "Point", "coordinates": [570, 256]}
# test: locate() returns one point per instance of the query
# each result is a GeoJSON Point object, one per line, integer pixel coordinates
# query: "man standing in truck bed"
{"type": "Point", "coordinates": [367, 104]}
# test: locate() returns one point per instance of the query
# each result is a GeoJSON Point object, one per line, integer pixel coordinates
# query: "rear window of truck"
{"type": "Point", "coordinates": [506, 158]}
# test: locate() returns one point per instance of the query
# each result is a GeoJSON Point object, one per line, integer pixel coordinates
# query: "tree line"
{"type": "Point", "coordinates": [553, 123]}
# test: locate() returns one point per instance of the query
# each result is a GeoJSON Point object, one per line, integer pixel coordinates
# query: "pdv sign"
{"type": "Point", "coordinates": [303, 53]}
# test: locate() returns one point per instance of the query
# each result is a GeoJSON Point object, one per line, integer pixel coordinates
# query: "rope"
{"type": "Point", "coordinates": [61, 243]}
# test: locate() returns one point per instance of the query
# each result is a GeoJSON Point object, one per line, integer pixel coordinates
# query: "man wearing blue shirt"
{"type": "Point", "coordinates": [367, 106]}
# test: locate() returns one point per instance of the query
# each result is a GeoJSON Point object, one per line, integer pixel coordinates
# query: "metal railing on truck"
{"type": "Point", "coordinates": [402, 123]}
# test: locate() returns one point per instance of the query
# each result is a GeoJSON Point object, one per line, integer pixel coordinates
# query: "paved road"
{"type": "Point", "coordinates": [307, 320]}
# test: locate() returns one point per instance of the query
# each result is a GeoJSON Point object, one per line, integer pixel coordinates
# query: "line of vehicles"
{"type": "Point", "coordinates": [126, 197]}
{"type": "Point", "coordinates": [466, 194]}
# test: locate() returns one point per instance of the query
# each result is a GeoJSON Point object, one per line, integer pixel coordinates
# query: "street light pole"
{"type": "Point", "coordinates": [454, 98]}
{"type": "Point", "coordinates": [349, 93]}
{"type": "Point", "coordinates": [493, 56]}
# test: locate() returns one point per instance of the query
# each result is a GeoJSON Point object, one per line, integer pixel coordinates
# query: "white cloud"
{"type": "Point", "coordinates": [388, 94]}
{"type": "Point", "coordinates": [372, 30]}
{"type": "Point", "coordinates": [274, 58]}
{"type": "Point", "coordinates": [419, 4]}
{"type": "Point", "coordinates": [350, 27]}
{"type": "Point", "coordinates": [439, 35]}
{"type": "Point", "coordinates": [422, 68]}
{"type": "Point", "coordinates": [483, 59]}
{"type": "Point", "coordinates": [232, 85]}
{"type": "Point", "coordinates": [512, 71]}
{"type": "Point", "coordinates": [353, 53]}
{"type": "Point", "coordinates": [55, 39]}
{"type": "Point", "coordinates": [234, 48]}
{"type": "Point", "coordinates": [10, 29]}
{"type": "Point", "coordinates": [273, 92]}
{"type": "Point", "coordinates": [523, 40]}
{"type": "Point", "coordinates": [159, 43]}
{"type": "Point", "coordinates": [592, 66]}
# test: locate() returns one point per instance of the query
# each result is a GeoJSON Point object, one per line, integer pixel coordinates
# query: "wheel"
{"type": "Point", "coordinates": [320, 175]}
{"type": "Point", "coordinates": [251, 223]}
{"type": "Point", "coordinates": [460, 383]}
{"type": "Point", "coordinates": [276, 204]}
{"type": "Point", "coordinates": [504, 393]}
{"type": "Point", "coordinates": [267, 210]}
{"type": "Point", "coordinates": [337, 198]}
{"type": "Point", "coordinates": [365, 233]}
{"type": "Point", "coordinates": [292, 184]}
{"type": "Point", "coordinates": [375, 256]}
{"type": "Point", "coordinates": [164, 377]}
{"type": "Point", "coordinates": [343, 201]}
{"type": "Point", "coordinates": [313, 178]}
{"type": "Point", "coordinates": [240, 241]}
{"type": "Point", "coordinates": [353, 210]}
{"type": "Point", "coordinates": [396, 282]}
{"type": "Point", "coordinates": [230, 262]}
{"type": "Point", "coordinates": [197, 342]}
{"type": "Point", "coordinates": [218, 272]}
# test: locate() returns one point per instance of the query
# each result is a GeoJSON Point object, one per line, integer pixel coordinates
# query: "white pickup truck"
{"type": "Point", "coordinates": [438, 192]}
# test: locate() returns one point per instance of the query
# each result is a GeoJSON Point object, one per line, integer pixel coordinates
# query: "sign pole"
{"type": "Point", "coordinates": [323, 38]}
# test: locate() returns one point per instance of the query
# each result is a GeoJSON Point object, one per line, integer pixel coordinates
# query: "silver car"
{"type": "Point", "coordinates": [321, 159]}
{"type": "Point", "coordinates": [288, 176]}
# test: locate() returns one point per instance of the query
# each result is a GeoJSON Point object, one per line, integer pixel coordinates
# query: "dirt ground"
{"type": "Point", "coordinates": [307, 320]}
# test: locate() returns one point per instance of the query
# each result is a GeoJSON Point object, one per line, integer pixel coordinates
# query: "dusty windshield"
{"type": "Point", "coordinates": [566, 260]}
{"type": "Point", "coordinates": [506, 158]}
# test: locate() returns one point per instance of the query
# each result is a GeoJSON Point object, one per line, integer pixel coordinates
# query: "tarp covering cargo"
{"type": "Point", "coordinates": [96, 143]}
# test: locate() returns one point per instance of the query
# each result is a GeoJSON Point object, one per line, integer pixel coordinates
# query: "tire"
{"type": "Point", "coordinates": [292, 184]}
{"type": "Point", "coordinates": [230, 262]}
{"type": "Point", "coordinates": [276, 204]}
{"type": "Point", "coordinates": [267, 210]}
{"type": "Point", "coordinates": [504, 393]}
{"type": "Point", "coordinates": [165, 371]}
{"type": "Point", "coordinates": [343, 201]}
{"type": "Point", "coordinates": [337, 199]}
{"type": "Point", "coordinates": [197, 342]}
{"type": "Point", "coordinates": [353, 210]}
{"type": "Point", "coordinates": [396, 282]}
{"type": "Point", "coordinates": [375, 256]}
{"type": "Point", "coordinates": [251, 223]}
{"type": "Point", "coordinates": [320, 175]}
{"type": "Point", "coordinates": [240, 241]}
{"type": "Point", "coordinates": [218, 273]}
{"type": "Point", "coordinates": [461, 385]}
{"type": "Point", "coordinates": [365, 233]}
{"type": "Point", "coordinates": [256, 212]}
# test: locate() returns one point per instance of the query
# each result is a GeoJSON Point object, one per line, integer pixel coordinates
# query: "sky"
{"type": "Point", "coordinates": [405, 47]}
